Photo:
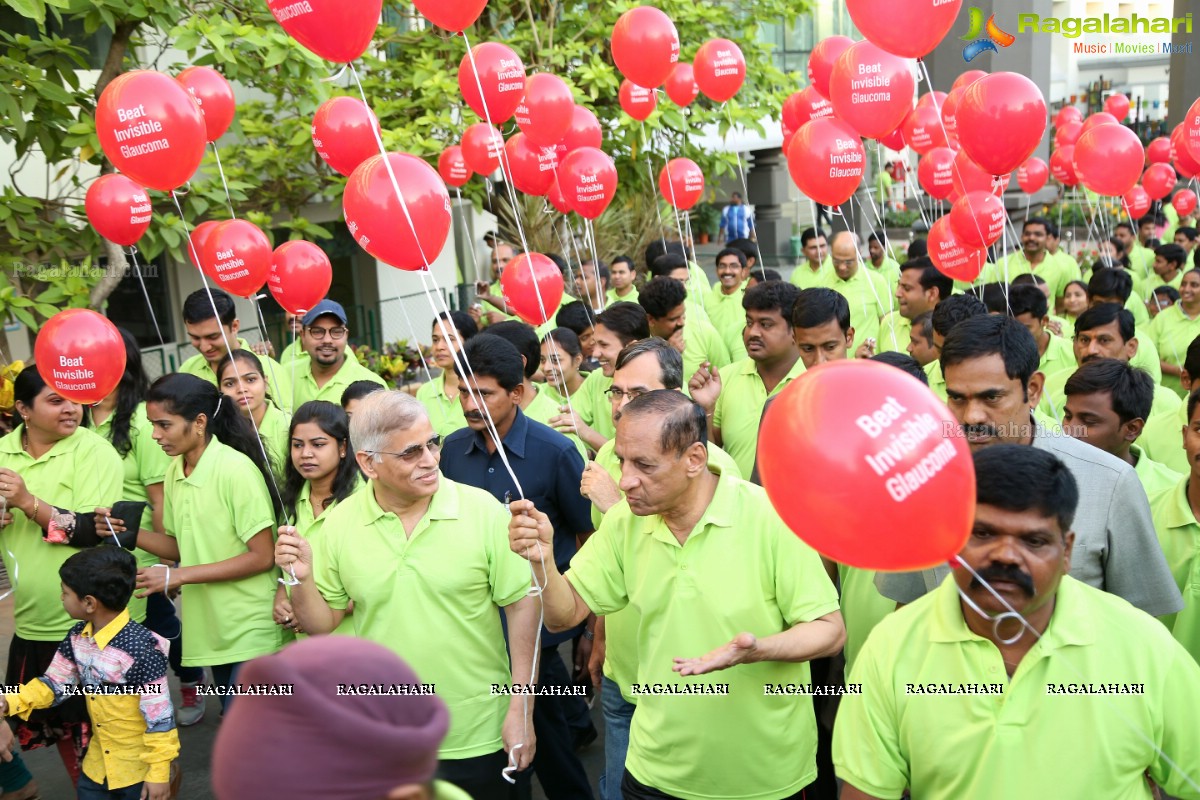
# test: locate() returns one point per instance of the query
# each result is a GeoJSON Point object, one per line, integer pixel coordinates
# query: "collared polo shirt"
{"type": "Point", "coordinates": [862, 608]}
{"type": "Point", "coordinates": [612, 297]}
{"type": "Point", "coordinates": [1179, 535]}
{"type": "Point", "coordinates": [544, 407]}
{"type": "Point", "coordinates": [431, 597]}
{"type": "Point", "coordinates": [1054, 396]}
{"type": "Point", "coordinates": [213, 513]}
{"type": "Point", "coordinates": [348, 373]}
{"type": "Point", "coordinates": [1155, 281]}
{"type": "Point", "coordinates": [894, 333]}
{"type": "Point", "coordinates": [79, 473]}
{"type": "Point", "coordinates": [445, 413]}
{"type": "Point", "coordinates": [1172, 332]}
{"type": "Point", "coordinates": [889, 270]}
{"type": "Point", "coordinates": [1029, 740]}
{"type": "Point", "coordinates": [701, 343]}
{"type": "Point", "coordinates": [592, 404]}
{"type": "Point", "coordinates": [312, 527]}
{"type": "Point", "coordinates": [869, 299]}
{"type": "Point", "coordinates": [1059, 355]}
{"type": "Point", "coordinates": [1162, 439]}
{"type": "Point", "coordinates": [937, 380]}
{"type": "Point", "coordinates": [278, 379]}
{"type": "Point", "coordinates": [804, 277]}
{"type": "Point", "coordinates": [740, 407]}
{"type": "Point", "coordinates": [274, 432]}
{"type": "Point", "coordinates": [740, 569]}
{"type": "Point", "coordinates": [728, 316]}
{"type": "Point", "coordinates": [1155, 477]}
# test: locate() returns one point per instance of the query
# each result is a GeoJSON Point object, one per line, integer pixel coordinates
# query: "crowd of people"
{"type": "Point", "coordinates": [419, 596]}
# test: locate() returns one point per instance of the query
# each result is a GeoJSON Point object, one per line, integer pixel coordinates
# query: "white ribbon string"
{"type": "Point", "coordinates": [867, 276]}
{"type": "Point", "coordinates": [224, 183]}
{"type": "Point", "coordinates": [412, 331]}
{"type": "Point", "coordinates": [16, 567]}
{"type": "Point", "coordinates": [146, 294]}
{"type": "Point", "coordinates": [112, 531]}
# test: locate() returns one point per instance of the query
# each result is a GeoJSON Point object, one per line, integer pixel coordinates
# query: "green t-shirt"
{"type": "Point", "coordinates": [862, 608]}
{"type": "Point", "coordinates": [728, 317]}
{"type": "Point", "coordinates": [1029, 740]}
{"type": "Point", "coordinates": [889, 270]}
{"type": "Point", "coordinates": [1059, 355]}
{"type": "Point", "coordinates": [869, 299]}
{"type": "Point", "coordinates": [1054, 397]}
{"type": "Point", "coordinates": [348, 373]}
{"type": "Point", "coordinates": [213, 513]}
{"type": "Point", "coordinates": [1155, 281]}
{"type": "Point", "coordinates": [804, 277]}
{"type": "Point", "coordinates": [701, 343]}
{"type": "Point", "coordinates": [739, 409]}
{"type": "Point", "coordinates": [312, 528]}
{"type": "Point", "coordinates": [279, 380]}
{"type": "Point", "coordinates": [740, 569]}
{"type": "Point", "coordinates": [79, 473]}
{"type": "Point", "coordinates": [1155, 477]}
{"type": "Point", "coordinates": [894, 333]}
{"type": "Point", "coordinates": [545, 407]}
{"type": "Point", "coordinates": [445, 413]}
{"type": "Point", "coordinates": [592, 404]}
{"type": "Point", "coordinates": [274, 433]}
{"type": "Point", "coordinates": [432, 597]}
{"type": "Point", "coordinates": [611, 296]}
{"type": "Point", "coordinates": [1162, 439]}
{"type": "Point", "coordinates": [1172, 332]}
{"type": "Point", "coordinates": [937, 381]}
{"type": "Point", "coordinates": [1179, 535]}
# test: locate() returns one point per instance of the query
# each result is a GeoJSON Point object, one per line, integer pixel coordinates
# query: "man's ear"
{"type": "Point", "coordinates": [234, 329]}
{"type": "Point", "coordinates": [1131, 430]}
{"type": "Point", "coordinates": [1037, 382]}
{"type": "Point", "coordinates": [1185, 380]}
{"type": "Point", "coordinates": [849, 338]}
{"type": "Point", "coordinates": [518, 393]}
{"type": "Point", "coordinates": [1131, 348]}
{"type": "Point", "coordinates": [367, 463]}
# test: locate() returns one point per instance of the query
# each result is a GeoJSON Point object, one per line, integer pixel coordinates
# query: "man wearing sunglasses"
{"type": "Point", "coordinates": [326, 370]}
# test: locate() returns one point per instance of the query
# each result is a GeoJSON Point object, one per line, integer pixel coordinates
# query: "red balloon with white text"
{"type": "Point", "coordinates": [453, 167]}
{"type": "Point", "coordinates": [588, 180]}
{"type": "Point", "coordinates": [871, 89]}
{"type": "Point", "coordinates": [237, 256]}
{"type": "Point", "coordinates": [118, 209]}
{"type": "Point", "coordinates": [1001, 119]}
{"type": "Point", "coordinates": [681, 183]}
{"type": "Point", "coordinates": [637, 101]}
{"type": "Point", "coordinates": [953, 258]}
{"type": "Point", "coordinates": [343, 132]}
{"type": "Point", "coordinates": [533, 287]}
{"type": "Point", "coordinates": [719, 69]}
{"type": "Point", "coordinates": [214, 95]}
{"type": "Point", "coordinates": [826, 160]}
{"type": "Point", "coordinates": [333, 29]}
{"type": "Point", "coordinates": [378, 220]}
{"type": "Point", "coordinates": [80, 355]}
{"type": "Point", "coordinates": [645, 46]}
{"type": "Point", "coordinates": [500, 73]}
{"type": "Point", "coordinates": [300, 276]}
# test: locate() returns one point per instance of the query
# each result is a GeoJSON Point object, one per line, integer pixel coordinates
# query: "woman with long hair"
{"type": "Point", "coordinates": [321, 472]}
{"type": "Point", "coordinates": [218, 516]}
{"type": "Point", "coordinates": [50, 468]}
{"type": "Point", "coordinates": [440, 395]}
{"type": "Point", "coordinates": [240, 377]}
{"type": "Point", "coordinates": [561, 358]}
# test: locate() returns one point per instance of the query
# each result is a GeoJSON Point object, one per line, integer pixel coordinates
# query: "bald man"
{"type": "Point", "coordinates": [867, 292]}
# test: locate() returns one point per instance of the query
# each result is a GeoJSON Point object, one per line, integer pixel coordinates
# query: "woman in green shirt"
{"type": "Point", "coordinates": [440, 395]}
{"type": "Point", "coordinates": [240, 376]}
{"type": "Point", "coordinates": [1075, 302]}
{"type": "Point", "coordinates": [561, 358]}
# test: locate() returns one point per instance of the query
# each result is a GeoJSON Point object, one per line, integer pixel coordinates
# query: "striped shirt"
{"type": "Point", "coordinates": [736, 222]}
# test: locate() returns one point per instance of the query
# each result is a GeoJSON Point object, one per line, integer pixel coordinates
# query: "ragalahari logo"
{"type": "Point", "coordinates": [979, 43]}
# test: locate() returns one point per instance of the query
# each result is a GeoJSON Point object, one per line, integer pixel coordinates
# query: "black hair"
{"type": "Point", "coordinates": [463, 323]}
{"type": "Point", "coordinates": [628, 320]}
{"type": "Point", "coordinates": [334, 423]}
{"type": "Point", "coordinates": [1172, 253]}
{"type": "Point", "coordinates": [358, 390]}
{"type": "Point", "coordinates": [624, 260]}
{"type": "Point", "coordinates": [130, 391]}
{"type": "Point", "coordinates": [808, 234]}
{"type": "Point", "coordinates": [1015, 477]}
{"type": "Point", "coordinates": [187, 396]}
{"type": "Point", "coordinates": [246, 357]}
{"type": "Point", "coordinates": [994, 296]}
{"type": "Point", "coordinates": [492, 357]}
{"type": "Point", "coordinates": [1105, 314]}
{"type": "Point", "coordinates": [1188, 231]}
{"type": "Point", "coordinates": [1127, 226]}
{"type": "Point", "coordinates": [670, 362]}
{"type": "Point", "coordinates": [1080, 284]}
{"type": "Point", "coordinates": [1149, 219]}
{"type": "Point", "coordinates": [1108, 282]}
{"type": "Point", "coordinates": [523, 337]}
{"type": "Point", "coordinates": [1045, 223]}
{"type": "Point", "coordinates": [766, 275]}
{"type": "Point", "coordinates": [917, 248]}
{"type": "Point", "coordinates": [1193, 398]}
{"type": "Point", "coordinates": [772, 296]}
{"type": "Point", "coordinates": [923, 325]}
{"type": "Point", "coordinates": [566, 340]}
{"type": "Point", "coordinates": [106, 573]}
{"type": "Point", "coordinates": [559, 262]}
{"type": "Point", "coordinates": [1131, 389]}
{"type": "Point", "coordinates": [660, 296]}
{"type": "Point", "coordinates": [198, 308]}
{"type": "Point", "coordinates": [1028, 279]}
{"type": "Point", "coordinates": [660, 247]}
{"type": "Point", "coordinates": [817, 306]}
{"type": "Point", "coordinates": [1169, 292]}
{"type": "Point", "coordinates": [594, 267]}
{"type": "Point", "coordinates": [682, 419]}
{"type": "Point", "coordinates": [878, 238]}
{"type": "Point", "coordinates": [665, 264]}
{"type": "Point", "coordinates": [1191, 363]}
{"type": "Point", "coordinates": [954, 309]}
{"type": "Point", "coordinates": [731, 251]}
{"type": "Point", "coordinates": [931, 277]}
{"type": "Point", "coordinates": [575, 316]}
{"type": "Point", "coordinates": [903, 361]}
{"type": "Point", "coordinates": [28, 385]}
{"type": "Point", "coordinates": [990, 335]}
{"type": "Point", "coordinates": [748, 248]}
{"type": "Point", "coordinates": [1027, 299]}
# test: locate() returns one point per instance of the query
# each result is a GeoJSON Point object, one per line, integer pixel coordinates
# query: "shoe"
{"type": "Point", "coordinates": [191, 710]}
{"type": "Point", "coordinates": [27, 792]}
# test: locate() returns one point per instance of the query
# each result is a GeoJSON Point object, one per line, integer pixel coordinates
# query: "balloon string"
{"type": "Point", "coordinates": [862, 265]}
{"type": "Point", "coordinates": [221, 172]}
{"type": "Point", "coordinates": [412, 331]}
{"type": "Point", "coordinates": [694, 292]}
{"type": "Point", "coordinates": [146, 295]}
{"type": "Point", "coordinates": [742, 175]}
{"type": "Point", "coordinates": [1011, 613]}
{"type": "Point", "coordinates": [662, 228]}
{"type": "Point", "coordinates": [262, 321]}
{"type": "Point", "coordinates": [887, 242]}
{"type": "Point", "coordinates": [16, 567]}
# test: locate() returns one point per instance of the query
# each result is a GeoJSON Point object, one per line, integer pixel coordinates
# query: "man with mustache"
{"type": "Point", "coordinates": [1016, 706]}
{"type": "Point", "coordinates": [992, 384]}
{"type": "Point", "coordinates": [326, 371]}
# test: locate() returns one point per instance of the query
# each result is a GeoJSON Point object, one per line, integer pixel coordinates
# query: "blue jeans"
{"type": "Point", "coordinates": [88, 789]}
{"type": "Point", "coordinates": [226, 675]}
{"type": "Point", "coordinates": [618, 714]}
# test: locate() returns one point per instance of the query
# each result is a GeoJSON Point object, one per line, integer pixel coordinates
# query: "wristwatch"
{"type": "Point", "coordinates": [588, 634]}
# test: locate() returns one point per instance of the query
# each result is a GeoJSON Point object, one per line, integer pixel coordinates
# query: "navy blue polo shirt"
{"type": "Point", "coordinates": [549, 468]}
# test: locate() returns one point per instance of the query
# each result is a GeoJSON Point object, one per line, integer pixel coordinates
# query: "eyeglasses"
{"type": "Point", "coordinates": [411, 455]}
{"type": "Point", "coordinates": [333, 333]}
{"type": "Point", "coordinates": [615, 394]}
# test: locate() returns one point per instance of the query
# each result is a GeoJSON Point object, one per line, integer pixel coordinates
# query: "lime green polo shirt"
{"type": "Point", "coordinates": [1068, 325]}
{"type": "Point", "coordinates": [1137, 306]}
{"type": "Point", "coordinates": [294, 351]}
{"type": "Point", "coordinates": [1172, 332]}
{"type": "Point", "coordinates": [1162, 439]}
{"type": "Point", "coordinates": [739, 409]}
{"type": "Point", "coordinates": [740, 569]}
{"type": "Point", "coordinates": [803, 276]}
{"type": "Point", "coordinates": [212, 514]}
{"type": "Point", "coordinates": [1027, 741]}
{"type": "Point", "coordinates": [312, 528]}
{"type": "Point", "coordinates": [274, 433]}
{"type": "Point", "coordinates": [702, 343]}
{"type": "Point", "coordinates": [445, 413]}
{"type": "Point", "coordinates": [350, 371]}
{"type": "Point", "coordinates": [1059, 355]}
{"type": "Point", "coordinates": [544, 407]}
{"type": "Point", "coordinates": [620, 627]}
{"type": "Point", "coordinates": [612, 297]}
{"type": "Point", "coordinates": [79, 473]}
{"type": "Point", "coordinates": [937, 381]}
{"type": "Point", "coordinates": [862, 608]}
{"type": "Point", "coordinates": [1147, 356]}
{"type": "Point", "coordinates": [432, 597]}
{"type": "Point", "coordinates": [1141, 260]}
{"type": "Point", "coordinates": [1179, 535]}
{"type": "Point", "coordinates": [895, 332]}
{"type": "Point", "coordinates": [889, 270]}
{"type": "Point", "coordinates": [279, 380]}
{"type": "Point", "coordinates": [869, 299]}
{"type": "Point", "coordinates": [1155, 281]}
{"type": "Point", "coordinates": [593, 406]}
{"type": "Point", "coordinates": [1068, 265]}
{"type": "Point", "coordinates": [1155, 477]}
{"type": "Point", "coordinates": [1054, 397]}
{"type": "Point", "coordinates": [728, 317]}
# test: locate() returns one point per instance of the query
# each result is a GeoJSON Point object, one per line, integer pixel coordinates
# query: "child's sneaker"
{"type": "Point", "coordinates": [191, 710]}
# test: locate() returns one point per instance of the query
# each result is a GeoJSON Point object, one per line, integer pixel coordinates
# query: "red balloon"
{"type": "Point", "coordinates": [681, 183]}
{"type": "Point", "coordinates": [453, 167]}
{"type": "Point", "coordinates": [923, 129]}
{"type": "Point", "coordinates": [584, 131]}
{"type": "Point", "coordinates": [531, 166]}
{"type": "Point", "coordinates": [1097, 119]}
{"type": "Point", "coordinates": [198, 238]}
{"type": "Point", "coordinates": [966, 79]}
{"type": "Point", "coordinates": [80, 355]}
{"type": "Point", "coordinates": [804, 105]}
{"type": "Point", "coordinates": [118, 209]}
{"type": "Point", "coordinates": [681, 86]}
{"type": "Point", "coordinates": [588, 180]}
{"type": "Point", "coordinates": [376, 218]}
{"type": "Point", "coordinates": [720, 69]}
{"type": "Point", "coordinates": [1184, 202]}
{"type": "Point", "coordinates": [1067, 114]}
{"type": "Point", "coordinates": [1068, 133]}
{"type": "Point", "coordinates": [821, 60]}
{"type": "Point", "coordinates": [1117, 105]}
{"type": "Point", "coordinates": [557, 199]}
{"type": "Point", "coordinates": [645, 46]}
{"type": "Point", "coordinates": [1159, 151]}
{"type": "Point", "coordinates": [452, 15]}
{"type": "Point", "coordinates": [950, 112]}
{"type": "Point", "coordinates": [978, 219]}
{"type": "Point", "coordinates": [953, 258]}
{"type": "Point", "coordinates": [343, 131]}
{"type": "Point", "coordinates": [934, 99]}
{"type": "Point", "coordinates": [333, 29]}
{"type": "Point", "coordinates": [826, 161]}
{"type": "Point", "coordinates": [1191, 131]}
{"type": "Point", "coordinates": [894, 140]}
{"type": "Point", "coordinates": [1062, 165]}
{"type": "Point", "coordinates": [481, 147]}
{"type": "Point", "coordinates": [1032, 175]}
{"type": "Point", "coordinates": [1108, 159]}
{"type": "Point", "coordinates": [502, 76]}
{"type": "Point", "coordinates": [637, 101]}
{"type": "Point", "coordinates": [214, 95]}
{"type": "Point", "coordinates": [970, 177]}
{"type": "Point", "coordinates": [533, 287]}
{"type": "Point", "coordinates": [908, 28]}
{"type": "Point", "coordinates": [788, 135]}
{"type": "Point", "coordinates": [151, 129]}
{"type": "Point", "coordinates": [237, 256]}
{"type": "Point", "coordinates": [1158, 180]}
{"type": "Point", "coordinates": [1185, 163]}
{"type": "Point", "coordinates": [1136, 202]}
{"type": "Point", "coordinates": [545, 111]}
{"type": "Point", "coordinates": [841, 417]}
{"type": "Point", "coordinates": [300, 276]}
{"type": "Point", "coordinates": [871, 89]}
{"type": "Point", "coordinates": [935, 171]}
{"type": "Point", "coordinates": [1001, 119]}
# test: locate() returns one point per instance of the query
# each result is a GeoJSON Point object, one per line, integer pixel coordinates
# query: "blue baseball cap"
{"type": "Point", "coordinates": [326, 307]}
